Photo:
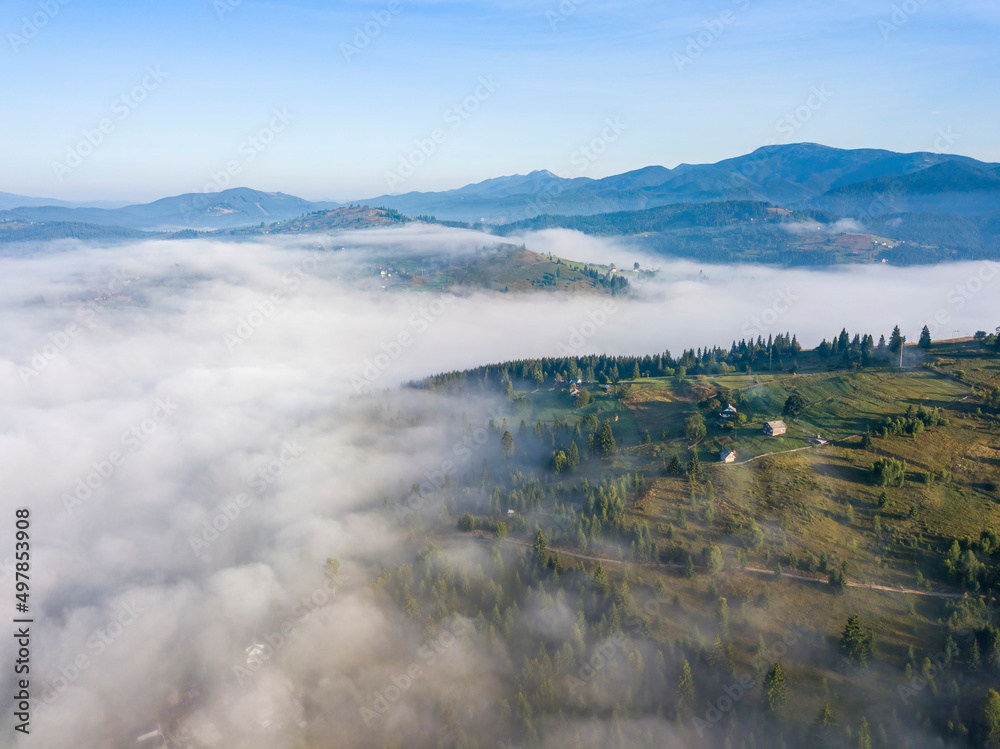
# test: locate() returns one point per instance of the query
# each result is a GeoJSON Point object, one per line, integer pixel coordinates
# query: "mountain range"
{"type": "Point", "coordinates": [932, 206]}
{"type": "Point", "coordinates": [231, 208]}
{"type": "Point", "coordinates": [797, 176]}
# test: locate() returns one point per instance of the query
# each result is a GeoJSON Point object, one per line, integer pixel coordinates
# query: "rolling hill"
{"type": "Point", "coordinates": [235, 207]}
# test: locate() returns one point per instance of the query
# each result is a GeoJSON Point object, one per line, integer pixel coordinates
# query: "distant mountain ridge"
{"type": "Point", "coordinates": [793, 176]}
{"type": "Point", "coordinates": [9, 200]}
{"type": "Point", "coordinates": [800, 176]}
{"type": "Point", "coordinates": [226, 209]}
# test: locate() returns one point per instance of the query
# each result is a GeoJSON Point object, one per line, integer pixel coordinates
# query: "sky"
{"type": "Point", "coordinates": [131, 102]}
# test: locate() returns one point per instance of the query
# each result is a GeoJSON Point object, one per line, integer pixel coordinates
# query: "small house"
{"type": "Point", "coordinates": [774, 428]}
{"type": "Point", "coordinates": [257, 655]}
{"type": "Point", "coordinates": [728, 412]}
{"type": "Point", "coordinates": [727, 456]}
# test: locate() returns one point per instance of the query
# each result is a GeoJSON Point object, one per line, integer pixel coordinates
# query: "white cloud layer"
{"type": "Point", "coordinates": [146, 422]}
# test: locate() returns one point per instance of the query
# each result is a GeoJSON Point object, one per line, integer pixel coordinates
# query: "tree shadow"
{"type": "Point", "coordinates": [844, 472]}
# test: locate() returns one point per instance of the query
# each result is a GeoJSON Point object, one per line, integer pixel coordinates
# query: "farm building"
{"type": "Point", "coordinates": [727, 456]}
{"type": "Point", "coordinates": [728, 412]}
{"type": "Point", "coordinates": [774, 428]}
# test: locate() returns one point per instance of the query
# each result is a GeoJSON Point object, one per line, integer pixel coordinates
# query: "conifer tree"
{"type": "Point", "coordinates": [776, 690]}
{"type": "Point", "coordinates": [990, 718]}
{"type": "Point", "coordinates": [856, 642]}
{"type": "Point", "coordinates": [685, 688]}
{"type": "Point", "coordinates": [925, 338]}
{"type": "Point", "coordinates": [864, 735]}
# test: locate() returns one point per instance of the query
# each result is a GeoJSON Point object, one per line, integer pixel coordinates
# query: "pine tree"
{"type": "Point", "coordinates": [993, 656]}
{"type": "Point", "coordinates": [776, 690]}
{"type": "Point", "coordinates": [864, 734]}
{"type": "Point", "coordinates": [991, 720]}
{"type": "Point", "coordinates": [624, 598]}
{"type": "Point", "coordinates": [411, 608]}
{"type": "Point", "coordinates": [541, 547]}
{"type": "Point", "coordinates": [856, 642]}
{"type": "Point", "coordinates": [675, 466]}
{"type": "Point", "coordinates": [826, 719]}
{"type": "Point", "coordinates": [715, 561]}
{"type": "Point", "coordinates": [331, 570]}
{"type": "Point", "coordinates": [925, 338]}
{"type": "Point", "coordinates": [601, 579]}
{"type": "Point", "coordinates": [685, 688]}
{"type": "Point", "coordinates": [723, 618]}
{"type": "Point", "coordinates": [605, 439]}
{"type": "Point", "coordinates": [896, 341]}
{"type": "Point", "coordinates": [573, 456]}
{"type": "Point", "coordinates": [866, 440]}
{"type": "Point", "coordinates": [975, 659]}
{"type": "Point", "coordinates": [694, 465]}
{"type": "Point", "coordinates": [508, 444]}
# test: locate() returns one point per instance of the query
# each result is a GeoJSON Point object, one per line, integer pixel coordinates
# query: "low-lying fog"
{"type": "Point", "coordinates": [150, 387]}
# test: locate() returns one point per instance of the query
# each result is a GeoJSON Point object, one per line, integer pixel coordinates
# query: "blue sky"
{"type": "Point", "coordinates": [684, 81]}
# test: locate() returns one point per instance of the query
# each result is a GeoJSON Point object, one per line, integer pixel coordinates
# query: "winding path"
{"type": "Point", "coordinates": [754, 570]}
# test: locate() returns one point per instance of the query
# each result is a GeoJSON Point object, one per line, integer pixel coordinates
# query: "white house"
{"type": "Point", "coordinates": [774, 428]}
{"type": "Point", "coordinates": [728, 412]}
{"type": "Point", "coordinates": [728, 456]}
